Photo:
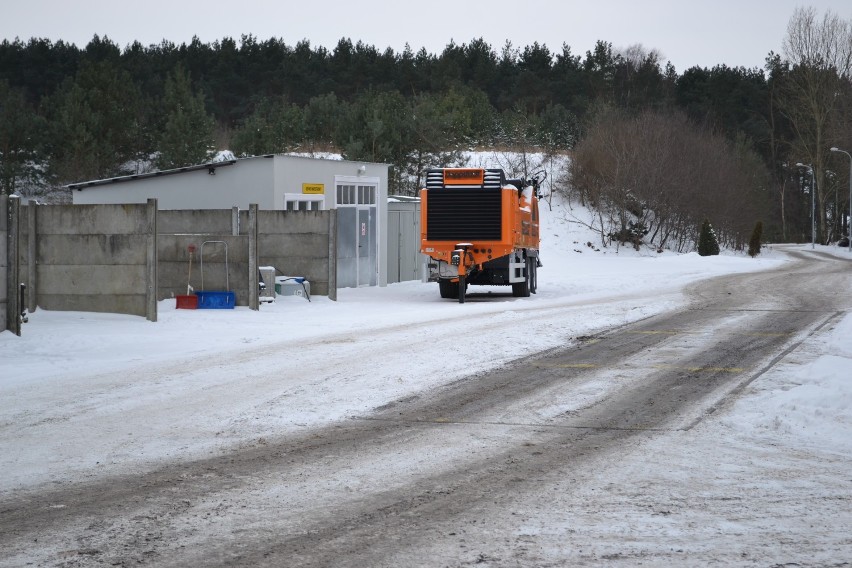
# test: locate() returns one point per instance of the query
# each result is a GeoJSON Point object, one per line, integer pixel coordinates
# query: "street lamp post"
{"type": "Point", "coordinates": [849, 221]}
{"type": "Point", "coordinates": [813, 203]}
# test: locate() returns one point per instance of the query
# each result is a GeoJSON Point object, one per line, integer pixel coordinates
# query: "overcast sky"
{"type": "Point", "coordinates": [686, 32]}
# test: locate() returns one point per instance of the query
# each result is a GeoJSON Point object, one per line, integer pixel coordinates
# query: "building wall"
{"type": "Point", "coordinates": [232, 185]}
{"type": "Point", "coordinates": [267, 181]}
{"type": "Point", "coordinates": [291, 172]}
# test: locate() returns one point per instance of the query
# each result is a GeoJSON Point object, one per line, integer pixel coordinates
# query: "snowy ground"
{"type": "Point", "coordinates": [86, 395]}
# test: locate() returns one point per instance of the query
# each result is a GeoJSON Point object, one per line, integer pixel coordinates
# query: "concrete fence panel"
{"type": "Point", "coordinates": [125, 258]}
{"type": "Point", "coordinates": [195, 221]}
{"type": "Point", "coordinates": [297, 243]}
{"type": "Point", "coordinates": [127, 219]}
{"type": "Point", "coordinates": [92, 258]}
{"type": "Point", "coordinates": [207, 272]}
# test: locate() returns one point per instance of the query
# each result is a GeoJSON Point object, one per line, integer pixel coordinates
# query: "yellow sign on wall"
{"type": "Point", "coordinates": [313, 188]}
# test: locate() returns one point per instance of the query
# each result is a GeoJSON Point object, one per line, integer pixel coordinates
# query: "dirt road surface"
{"type": "Point", "coordinates": [576, 456]}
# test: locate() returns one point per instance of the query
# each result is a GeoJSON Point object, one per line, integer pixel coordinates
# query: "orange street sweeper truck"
{"type": "Point", "coordinates": [477, 227]}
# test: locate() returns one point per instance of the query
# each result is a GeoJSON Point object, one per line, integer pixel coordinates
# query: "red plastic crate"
{"type": "Point", "coordinates": [189, 302]}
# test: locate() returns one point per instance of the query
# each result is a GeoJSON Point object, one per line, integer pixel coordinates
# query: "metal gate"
{"type": "Point", "coordinates": [403, 230]}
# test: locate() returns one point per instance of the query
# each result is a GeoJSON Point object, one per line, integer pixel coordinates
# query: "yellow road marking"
{"type": "Point", "coordinates": [768, 334]}
{"type": "Point", "coordinates": [700, 369]}
{"type": "Point", "coordinates": [660, 366]}
{"type": "Point", "coordinates": [676, 332]}
{"type": "Point", "coordinates": [659, 332]}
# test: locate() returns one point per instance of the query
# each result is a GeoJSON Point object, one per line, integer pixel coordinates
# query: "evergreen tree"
{"type": "Point", "coordinates": [600, 68]}
{"type": "Point", "coordinates": [188, 134]}
{"type": "Point", "coordinates": [380, 130]}
{"type": "Point", "coordinates": [522, 133]}
{"type": "Point", "coordinates": [708, 245]}
{"type": "Point", "coordinates": [19, 140]}
{"type": "Point", "coordinates": [325, 121]}
{"type": "Point", "coordinates": [560, 128]}
{"type": "Point", "coordinates": [532, 89]}
{"type": "Point", "coordinates": [275, 126]}
{"type": "Point", "coordinates": [440, 126]}
{"type": "Point", "coordinates": [754, 242]}
{"type": "Point", "coordinates": [95, 123]}
{"type": "Point", "coordinates": [39, 66]}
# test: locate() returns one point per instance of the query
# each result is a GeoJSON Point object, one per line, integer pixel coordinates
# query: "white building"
{"type": "Point", "coordinates": [358, 190]}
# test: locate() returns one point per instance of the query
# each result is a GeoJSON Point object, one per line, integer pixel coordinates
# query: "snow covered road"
{"type": "Point", "coordinates": [609, 446]}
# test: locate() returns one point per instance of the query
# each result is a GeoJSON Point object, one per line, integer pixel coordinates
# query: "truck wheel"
{"type": "Point", "coordinates": [522, 289]}
{"type": "Point", "coordinates": [448, 289]}
{"type": "Point", "coordinates": [462, 289]}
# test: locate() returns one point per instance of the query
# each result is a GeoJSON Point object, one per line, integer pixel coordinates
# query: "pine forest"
{"type": "Point", "coordinates": [655, 149]}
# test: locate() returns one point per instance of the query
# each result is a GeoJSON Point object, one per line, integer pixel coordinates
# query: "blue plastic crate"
{"type": "Point", "coordinates": [215, 300]}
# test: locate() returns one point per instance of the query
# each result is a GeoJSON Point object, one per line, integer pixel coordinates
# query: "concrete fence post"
{"type": "Point", "coordinates": [332, 255]}
{"type": "Point", "coordinates": [151, 263]}
{"type": "Point", "coordinates": [4, 262]}
{"type": "Point", "coordinates": [13, 265]}
{"type": "Point", "coordinates": [235, 221]}
{"type": "Point", "coordinates": [32, 256]}
{"type": "Point", "coordinates": [254, 284]}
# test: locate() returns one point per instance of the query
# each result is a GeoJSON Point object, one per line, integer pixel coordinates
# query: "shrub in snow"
{"type": "Point", "coordinates": [754, 242]}
{"type": "Point", "coordinates": [708, 244]}
{"type": "Point", "coordinates": [633, 233]}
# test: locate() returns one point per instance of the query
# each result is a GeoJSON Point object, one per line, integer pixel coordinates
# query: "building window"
{"type": "Point", "coordinates": [346, 194]}
{"type": "Point", "coordinates": [352, 194]}
{"type": "Point", "coordinates": [302, 205]}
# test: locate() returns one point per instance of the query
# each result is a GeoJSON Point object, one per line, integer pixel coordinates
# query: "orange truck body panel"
{"type": "Point", "coordinates": [518, 230]}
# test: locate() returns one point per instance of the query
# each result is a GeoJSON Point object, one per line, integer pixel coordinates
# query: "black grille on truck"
{"type": "Point", "coordinates": [464, 214]}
